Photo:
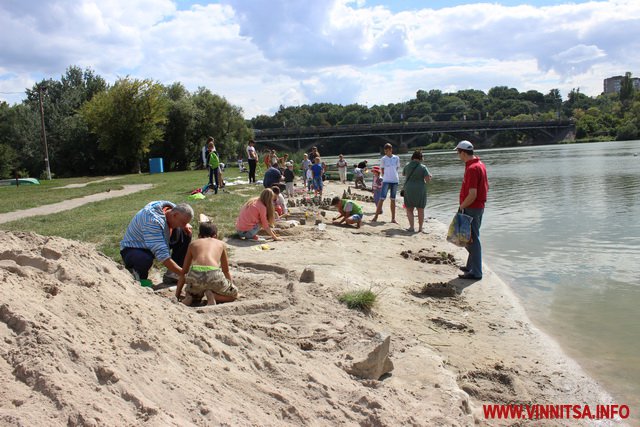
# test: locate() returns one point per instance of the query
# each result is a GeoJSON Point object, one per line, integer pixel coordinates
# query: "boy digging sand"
{"type": "Point", "coordinates": [349, 211]}
{"type": "Point", "coordinates": [206, 268]}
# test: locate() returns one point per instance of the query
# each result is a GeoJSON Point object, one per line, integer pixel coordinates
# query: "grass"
{"type": "Point", "coordinates": [30, 196]}
{"type": "Point", "coordinates": [362, 299]}
{"type": "Point", "coordinates": [103, 223]}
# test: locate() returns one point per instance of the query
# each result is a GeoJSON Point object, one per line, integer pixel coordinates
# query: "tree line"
{"type": "Point", "coordinates": [613, 116]}
{"type": "Point", "coordinates": [93, 128]}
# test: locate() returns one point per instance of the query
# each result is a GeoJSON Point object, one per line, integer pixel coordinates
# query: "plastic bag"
{"type": "Point", "coordinates": [460, 230]}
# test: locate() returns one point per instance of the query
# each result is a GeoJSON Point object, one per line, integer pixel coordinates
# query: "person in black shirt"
{"type": "Point", "coordinates": [289, 176]}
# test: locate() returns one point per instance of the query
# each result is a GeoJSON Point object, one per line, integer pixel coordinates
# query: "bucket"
{"type": "Point", "coordinates": [155, 165]}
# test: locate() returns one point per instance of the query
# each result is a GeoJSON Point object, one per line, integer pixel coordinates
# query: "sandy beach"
{"type": "Point", "coordinates": [84, 345]}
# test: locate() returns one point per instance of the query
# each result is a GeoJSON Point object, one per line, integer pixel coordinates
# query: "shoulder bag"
{"type": "Point", "coordinates": [414, 169]}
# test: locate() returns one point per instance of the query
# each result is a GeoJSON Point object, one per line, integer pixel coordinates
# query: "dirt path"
{"type": "Point", "coordinates": [72, 203]}
{"type": "Point", "coordinates": [111, 178]}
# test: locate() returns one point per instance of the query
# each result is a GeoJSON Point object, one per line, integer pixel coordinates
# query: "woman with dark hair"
{"type": "Point", "coordinates": [415, 190]}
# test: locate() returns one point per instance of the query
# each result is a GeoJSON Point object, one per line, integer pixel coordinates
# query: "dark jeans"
{"type": "Point", "coordinates": [140, 260]}
{"type": "Point", "coordinates": [213, 173]}
{"type": "Point", "coordinates": [474, 260]}
{"type": "Point", "coordinates": [252, 170]}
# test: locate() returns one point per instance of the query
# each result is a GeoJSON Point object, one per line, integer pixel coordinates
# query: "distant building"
{"type": "Point", "coordinates": [612, 84]}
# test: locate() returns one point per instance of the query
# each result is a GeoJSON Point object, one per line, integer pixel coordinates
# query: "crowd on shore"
{"type": "Point", "coordinates": [161, 230]}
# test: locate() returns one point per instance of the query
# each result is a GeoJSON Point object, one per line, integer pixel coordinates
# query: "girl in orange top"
{"type": "Point", "coordinates": [257, 212]}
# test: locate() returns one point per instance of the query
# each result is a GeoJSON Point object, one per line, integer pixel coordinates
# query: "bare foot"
{"type": "Point", "coordinates": [394, 221]}
{"type": "Point", "coordinates": [359, 224]}
{"type": "Point", "coordinates": [211, 298]}
{"type": "Point", "coordinates": [375, 218]}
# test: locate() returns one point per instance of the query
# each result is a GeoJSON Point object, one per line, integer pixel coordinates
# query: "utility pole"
{"type": "Point", "coordinates": [44, 134]}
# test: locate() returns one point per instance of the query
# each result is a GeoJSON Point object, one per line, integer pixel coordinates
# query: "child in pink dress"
{"type": "Point", "coordinates": [376, 185]}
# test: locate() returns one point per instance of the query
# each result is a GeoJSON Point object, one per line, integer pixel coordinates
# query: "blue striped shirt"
{"type": "Point", "coordinates": [149, 230]}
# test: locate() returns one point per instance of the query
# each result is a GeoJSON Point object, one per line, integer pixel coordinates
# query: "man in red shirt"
{"type": "Point", "coordinates": [473, 195]}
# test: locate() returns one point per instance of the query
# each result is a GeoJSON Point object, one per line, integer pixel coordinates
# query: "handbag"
{"type": "Point", "coordinates": [460, 230]}
{"type": "Point", "coordinates": [402, 193]}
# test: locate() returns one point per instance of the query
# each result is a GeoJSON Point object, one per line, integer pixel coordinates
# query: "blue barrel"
{"type": "Point", "coordinates": [155, 165]}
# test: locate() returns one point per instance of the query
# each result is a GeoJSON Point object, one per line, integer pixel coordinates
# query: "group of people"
{"type": "Point", "coordinates": [161, 230]}
{"type": "Point", "coordinates": [313, 172]}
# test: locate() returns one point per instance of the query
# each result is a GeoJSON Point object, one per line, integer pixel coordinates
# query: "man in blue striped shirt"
{"type": "Point", "coordinates": [159, 230]}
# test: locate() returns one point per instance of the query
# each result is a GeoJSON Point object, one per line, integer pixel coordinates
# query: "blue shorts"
{"type": "Point", "coordinates": [317, 182]}
{"type": "Point", "coordinates": [393, 186]}
{"type": "Point", "coordinates": [356, 217]}
{"type": "Point", "coordinates": [250, 233]}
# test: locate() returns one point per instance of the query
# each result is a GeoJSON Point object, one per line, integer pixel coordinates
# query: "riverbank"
{"type": "Point", "coordinates": [84, 345]}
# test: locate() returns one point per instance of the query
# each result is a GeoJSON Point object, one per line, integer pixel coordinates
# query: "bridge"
{"type": "Point", "coordinates": [481, 133]}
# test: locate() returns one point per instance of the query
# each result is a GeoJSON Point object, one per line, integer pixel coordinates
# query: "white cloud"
{"type": "Point", "coordinates": [261, 54]}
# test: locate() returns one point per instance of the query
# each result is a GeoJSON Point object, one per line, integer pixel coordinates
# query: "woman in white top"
{"type": "Point", "coordinates": [389, 163]}
{"type": "Point", "coordinates": [342, 169]}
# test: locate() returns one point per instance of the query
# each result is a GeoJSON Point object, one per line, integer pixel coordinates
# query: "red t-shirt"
{"type": "Point", "coordinates": [475, 176]}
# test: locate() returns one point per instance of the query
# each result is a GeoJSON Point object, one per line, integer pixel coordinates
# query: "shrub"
{"type": "Point", "coordinates": [359, 300]}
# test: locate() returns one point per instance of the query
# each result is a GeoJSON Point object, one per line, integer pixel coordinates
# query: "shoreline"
{"type": "Point", "coordinates": [87, 349]}
{"type": "Point", "coordinates": [565, 381]}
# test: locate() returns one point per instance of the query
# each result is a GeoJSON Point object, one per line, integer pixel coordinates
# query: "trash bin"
{"type": "Point", "coordinates": [155, 165]}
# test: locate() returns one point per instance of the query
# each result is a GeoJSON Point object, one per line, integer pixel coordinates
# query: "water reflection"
{"type": "Point", "coordinates": [562, 228]}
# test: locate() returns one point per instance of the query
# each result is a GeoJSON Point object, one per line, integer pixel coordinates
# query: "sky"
{"type": "Point", "coordinates": [260, 54]}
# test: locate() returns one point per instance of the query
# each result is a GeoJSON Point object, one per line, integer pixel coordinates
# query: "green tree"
{"type": "Point", "coordinates": [8, 162]}
{"type": "Point", "coordinates": [350, 118]}
{"type": "Point", "coordinates": [72, 151]}
{"type": "Point", "coordinates": [575, 100]}
{"type": "Point", "coordinates": [503, 92]}
{"type": "Point", "coordinates": [553, 102]}
{"type": "Point", "coordinates": [533, 96]}
{"type": "Point", "coordinates": [630, 124]}
{"type": "Point", "coordinates": [216, 117]}
{"type": "Point", "coordinates": [476, 101]}
{"type": "Point", "coordinates": [626, 88]}
{"type": "Point", "coordinates": [265, 122]}
{"type": "Point", "coordinates": [319, 119]}
{"type": "Point", "coordinates": [127, 119]}
{"type": "Point", "coordinates": [20, 130]}
{"type": "Point", "coordinates": [627, 131]}
{"type": "Point", "coordinates": [178, 144]}
{"type": "Point", "coordinates": [451, 107]}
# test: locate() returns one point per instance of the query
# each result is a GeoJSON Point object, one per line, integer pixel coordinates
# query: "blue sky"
{"type": "Point", "coordinates": [261, 54]}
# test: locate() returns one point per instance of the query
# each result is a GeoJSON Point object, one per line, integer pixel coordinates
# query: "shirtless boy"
{"type": "Point", "coordinates": [206, 268]}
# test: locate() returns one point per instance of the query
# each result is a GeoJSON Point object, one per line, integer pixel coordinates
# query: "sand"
{"type": "Point", "coordinates": [84, 344]}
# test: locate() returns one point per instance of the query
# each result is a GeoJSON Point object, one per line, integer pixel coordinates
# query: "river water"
{"type": "Point", "coordinates": [562, 228]}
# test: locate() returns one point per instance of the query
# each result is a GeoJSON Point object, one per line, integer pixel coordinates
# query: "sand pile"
{"type": "Point", "coordinates": [83, 344]}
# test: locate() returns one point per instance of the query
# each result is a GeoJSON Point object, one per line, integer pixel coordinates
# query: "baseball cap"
{"type": "Point", "coordinates": [464, 145]}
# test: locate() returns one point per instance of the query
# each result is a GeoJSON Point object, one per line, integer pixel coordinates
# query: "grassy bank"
{"type": "Point", "coordinates": [104, 222]}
